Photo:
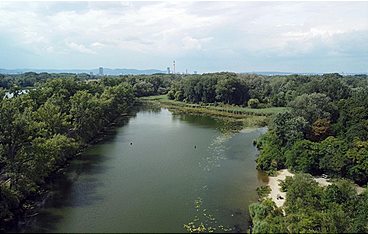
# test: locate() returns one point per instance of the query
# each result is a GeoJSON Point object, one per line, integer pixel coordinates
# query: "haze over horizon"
{"type": "Point", "coordinates": [314, 37]}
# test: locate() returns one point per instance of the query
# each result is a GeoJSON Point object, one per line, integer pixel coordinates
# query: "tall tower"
{"type": "Point", "coordinates": [168, 70]}
{"type": "Point", "coordinates": [100, 71]}
{"type": "Point", "coordinates": [174, 66]}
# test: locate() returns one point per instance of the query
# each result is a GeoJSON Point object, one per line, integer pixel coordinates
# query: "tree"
{"type": "Point", "coordinates": [253, 103]}
{"type": "Point", "coordinates": [51, 119]}
{"type": "Point", "coordinates": [357, 155]}
{"type": "Point", "coordinates": [320, 129]}
{"type": "Point", "coordinates": [289, 128]}
{"type": "Point", "coordinates": [171, 95]}
{"type": "Point", "coordinates": [231, 91]}
{"type": "Point", "coordinates": [334, 161]}
{"type": "Point", "coordinates": [303, 156]}
{"type": "Point", "coordinates": [143, 88]}
{"type": "Point", "coordinates": [179, 96]}
{"type": "Point", "coordinates": [313, 106]}
{"type": "Point", "coordinates": [271, 157]}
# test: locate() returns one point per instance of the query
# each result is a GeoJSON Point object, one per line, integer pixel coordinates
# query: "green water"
{"type": "Point", "coordinates": [157, 173]}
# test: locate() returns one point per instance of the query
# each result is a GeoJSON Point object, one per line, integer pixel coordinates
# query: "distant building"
{"type": "Point", "coordinates": [168, 70]}
{"type": "Point", "coordinates": [100, 71]}
{"type": "Point", "coordinates": [195, 72]}
{"type": "Point", "coordinates": [91, 73]}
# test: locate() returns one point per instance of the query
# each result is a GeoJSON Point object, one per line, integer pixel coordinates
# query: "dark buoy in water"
{"type": "Point", "coordinates": [131, 143]}
{"type": "Point", "coordinates": [195, 147]}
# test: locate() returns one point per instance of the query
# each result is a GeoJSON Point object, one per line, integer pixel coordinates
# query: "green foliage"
{"type": "Point", "coordinates": [253, 103]}
{"type": "Point", "coordinates": [271, 157]}
{"type": "Point", "coordinates": [310, 208]}
{"type": "Point", "coordinates": [231, 91]}
{"type": "Point", "coordinates": [357, 156]}
{"type": "Point", "coordinates": [333, 160]}
{"type": "Point", "coordinates": [42, 129]}
{"type": "Point", "coordinates": [313, 106]}
{"type": "Point", "coordinates": [324, 131]}
{"type": "Point", "coordinates": [171, 95]}
{"type": "Point", "coordinates": [286, 183]}
{"type": "Point", "coordinates": [263, 192]}
{"type": "Point", "coordinates": [143, 88]}
{"type": "Point", "coordinates": [321, 132]}
{"type": "Point", "coordinates": [289, 128]}
{"type": "Point", "coordinates": [210, 88]}
{"type": "Point", "coordinates": [266, 217]}
{"type": "Point", "coordinates": [179, 96]}
{"type": "Point", "coordinates": [303, 156]}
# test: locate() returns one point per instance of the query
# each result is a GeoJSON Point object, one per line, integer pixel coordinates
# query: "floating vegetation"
{"type": "Point", "coordinates": [204, 222]}
{"type": "Point", "coordinates": [216, 151]}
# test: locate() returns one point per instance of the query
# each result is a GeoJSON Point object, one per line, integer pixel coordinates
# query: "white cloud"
{"type": "Point", "coordinates": [190, 43]}
{"type": "Point", "coordinates": [79, 47]}
{"type": "Point", "coordinates": [165, 29]}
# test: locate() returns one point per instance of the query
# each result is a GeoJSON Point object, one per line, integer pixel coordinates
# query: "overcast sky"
{"type": "Point", "coordinates": [201, 36]}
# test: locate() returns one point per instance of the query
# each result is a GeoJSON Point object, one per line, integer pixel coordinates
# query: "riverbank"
{"type": "Point", "coordinates": [30, 206]}
{"type": "Point", "coordinates": [248, 116]}
{"type": "Point", "coordinates": [115, 185]}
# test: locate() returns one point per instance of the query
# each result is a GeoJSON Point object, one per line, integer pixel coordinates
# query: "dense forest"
{"type": "Point", "coordinates": [40, 130]}
{"type": "Point", "coordinates": [48, 124]}
{"type": "Point", "coordinates": [325, 130]}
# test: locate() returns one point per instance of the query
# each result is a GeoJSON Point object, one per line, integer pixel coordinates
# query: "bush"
{"type": "Point", "coordinates": [179, 96]}
{"type": "Point", "coordinates": [263, 192]}
{"type": "Point", "coordinates": [171, 95]}
{"type": "Point", "coordinates": [253, 103]}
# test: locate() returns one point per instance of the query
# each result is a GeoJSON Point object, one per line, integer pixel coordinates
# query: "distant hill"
{"type": "Point", "coordinates": [106, 71]}
{"type": "Point", "coordinates": [126, 71]}
{"type": "Point", "coordinates": [277, 73]}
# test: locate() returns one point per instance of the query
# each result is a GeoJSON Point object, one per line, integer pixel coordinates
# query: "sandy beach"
{"type": "Point", "coordinates": [274, 184]}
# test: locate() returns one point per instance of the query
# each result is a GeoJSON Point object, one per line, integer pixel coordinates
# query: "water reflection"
{"type": "Point", "coordinates": [161, 183]}
{"type": "Point", "coordinates": [223, 125]}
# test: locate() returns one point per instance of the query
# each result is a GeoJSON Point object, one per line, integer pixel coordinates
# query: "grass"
{"type": "Point", "coordinates": [233, 109]}
{"type": "Point", "coordinates": [248, 116]}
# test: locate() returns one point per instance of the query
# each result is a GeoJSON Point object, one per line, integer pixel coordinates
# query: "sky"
{"type": "Point", "coordinates": [200, 36]}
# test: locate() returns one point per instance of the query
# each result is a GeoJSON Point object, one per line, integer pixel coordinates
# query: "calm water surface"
{"type": "Point", "coordinates": [158, 172]}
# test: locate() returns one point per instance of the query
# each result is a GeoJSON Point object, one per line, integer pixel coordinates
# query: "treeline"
{"type": "Point", "coordinates": [310, 208]}
{"type": "Point", "coordinates": [209, 88]}
{"type": "Point", "coordinates": [148, 85]}
{"type": "Point", "coordinates": [324, 132]}
{"type": "Point", "coordinates": [30, 79]}
{"type": "Point", "coordinates": [43, 128]}
{"type": "Point", "coordinates": [143, 85]}
{"type": "Point", "coordinates": [260, 91]}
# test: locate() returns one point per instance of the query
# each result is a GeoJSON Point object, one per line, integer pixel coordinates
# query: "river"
{"type": "Point", "coordinates": [158, 172]}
